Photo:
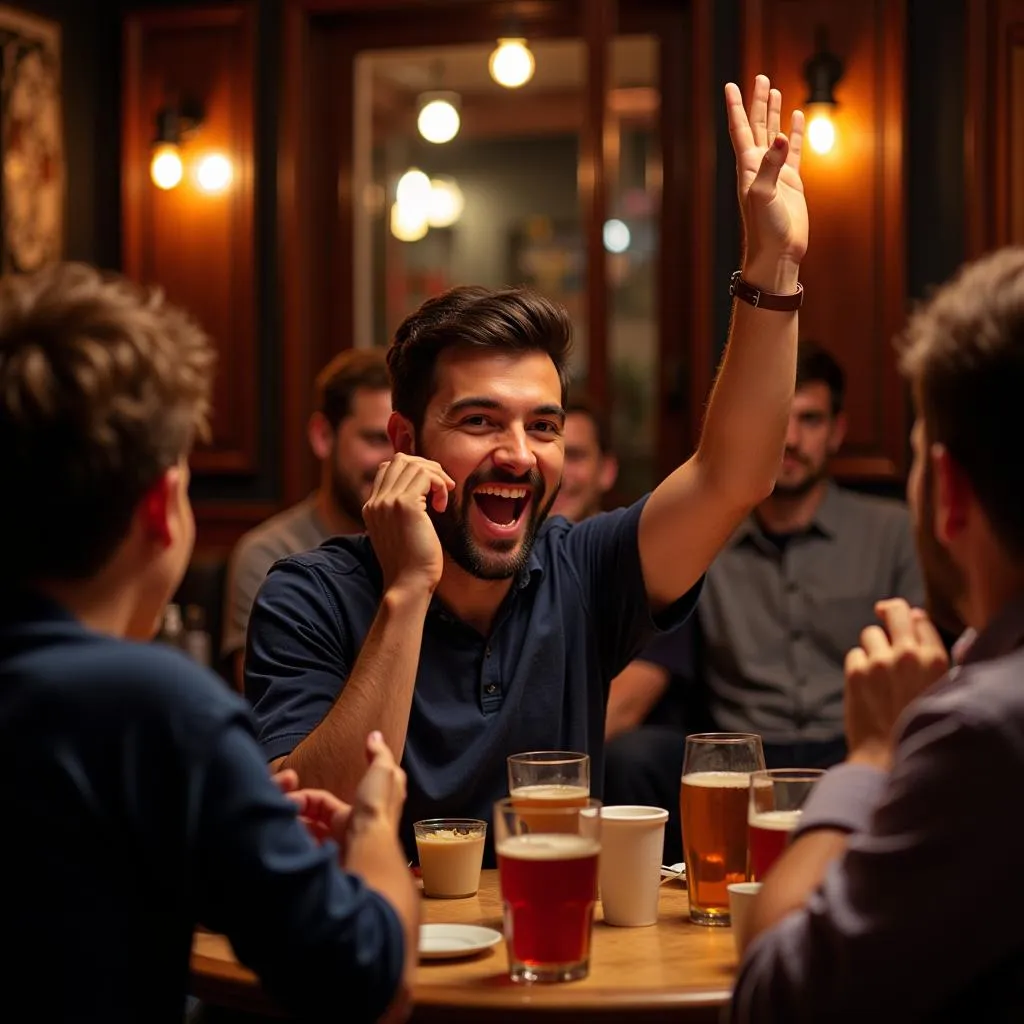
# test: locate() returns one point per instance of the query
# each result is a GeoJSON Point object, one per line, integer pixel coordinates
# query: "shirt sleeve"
{"type": "Point", "coordinates": [298, 656]}
{"type": "Point", "coordinates": [313, 933]}
{"type": "Point", "coordinates": [605, 553]}
{"type": "Point", "coordinates": [675, 650]}
{"type": "Point", "coordinates": [249, 566]}
{"type": "Point", "coordinates": [883, 936]}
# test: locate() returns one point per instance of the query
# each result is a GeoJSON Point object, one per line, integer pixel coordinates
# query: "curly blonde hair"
{"type": "Point", "coordinates": [103, 387]}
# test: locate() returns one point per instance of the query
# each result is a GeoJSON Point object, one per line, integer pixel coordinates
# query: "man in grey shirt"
{"type": "Point", "coordinates": [898, 898]}
{"type": "Point", "coordinates": [348, 434]}
{"type": "Point", "coordinates": [782, 604]}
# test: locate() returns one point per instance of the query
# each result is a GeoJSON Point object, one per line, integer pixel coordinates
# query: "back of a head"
{"type": "Point", "coordinates": [963, 352]}
{"type": "Point", "coordinates": [103, 386]}
{"type": "Point", "coordinates": [474, 317]}
{"type": "Point", "coordinates": [343, 376]}
{"type": "Point", "coordinates": [815, 365]}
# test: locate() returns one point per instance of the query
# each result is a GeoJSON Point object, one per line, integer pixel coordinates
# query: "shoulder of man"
{"type": "Point", "coordinates": [871, 506]}
{"type": "Point", "coordinates": [277, 537]}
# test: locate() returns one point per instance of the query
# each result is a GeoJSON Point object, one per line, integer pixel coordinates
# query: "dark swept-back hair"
{"type": "Point", "coordinates": [963, 353]}
{"type": "Point", "coordinates": [343, 376]}
{"type": "Point", "coordinates": [814, 365]}
{"type": "Point", "coordinates": [473, 317]}
{"type": "Point", "coordinates": [584, 405]}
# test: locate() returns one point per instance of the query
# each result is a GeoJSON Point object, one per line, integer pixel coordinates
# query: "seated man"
{"type": "Point", "coordinates": [782, 603]}
{"type": "Point", "coordinates": [465, 624]}
{"type": "Point", "coordinates": [874, 911]}
{"type": "Point", "coordinates": [348, 435]}
{"type": "Point", "coordinates": [590, 466]}
{"type": "Point", "coordinates": [136, 801]}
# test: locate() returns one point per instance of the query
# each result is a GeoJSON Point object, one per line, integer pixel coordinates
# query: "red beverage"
{"type": "Point", "coordinates": [769, 833]}
{"type": "Point", "coordinates": [549, 888]}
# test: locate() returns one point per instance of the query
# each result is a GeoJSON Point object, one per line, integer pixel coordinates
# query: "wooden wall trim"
{"type": "Point", "coordinates": [978, 140]}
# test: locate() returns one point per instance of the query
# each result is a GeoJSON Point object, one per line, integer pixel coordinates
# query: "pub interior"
{"type": "Point", "coordinates": [301, 176]}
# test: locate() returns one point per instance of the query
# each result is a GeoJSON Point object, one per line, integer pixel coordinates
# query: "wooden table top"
{"type": "Point", "coordinates": [674, 970]}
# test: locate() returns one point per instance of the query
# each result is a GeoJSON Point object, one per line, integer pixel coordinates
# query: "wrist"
{"type": "Point", "coordinates": [872, 753]}
{"type": "Point", "coordinates": [771, 274]}
{"type": "Point", "coordinates": [408, 593]}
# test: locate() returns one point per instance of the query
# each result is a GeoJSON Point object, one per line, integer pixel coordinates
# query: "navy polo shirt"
{"type": "Point", "coordinates": [137, 804]}
{"type": "Point", "coordinates": [575, 616]}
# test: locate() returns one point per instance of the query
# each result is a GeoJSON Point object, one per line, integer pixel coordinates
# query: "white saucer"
{"type": "Point", "coordinates": [448, 941]}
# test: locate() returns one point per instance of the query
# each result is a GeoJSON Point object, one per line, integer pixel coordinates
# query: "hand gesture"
{"type": "Point", "coordinates": [380, 795]}
{"type": "Point", "coordinates": [404, 538]}
{"type": "Point", "coordinates": [323, 814]}
{"type": "Point", "coordinates": [891, 668]}
{"type": "Point", "coordinates": [768, 181]}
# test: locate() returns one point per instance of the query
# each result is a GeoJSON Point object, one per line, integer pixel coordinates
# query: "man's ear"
{"type": "Point", "coordinates": [156, 507]}
{"type": "Point", "coordinates": [321, 436]}
{"type": "Point", "coordinates": [402, 434]}
{"type": "Point", "coordinates": [837, 433]}
{"type": "Point", "coordinates": [608, 473]}
{"type": "Point", "coordinates": [952, 495]}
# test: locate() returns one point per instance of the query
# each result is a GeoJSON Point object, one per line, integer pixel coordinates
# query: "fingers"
{"type": "Point", "coordinates": [287, 780]}
{"type": "Point", "coordinates": [856, 663]}
{"type": "Point", "coordinates": [796, 139]}
{"type": "Point", "coordinates": [896, 617]}
{"type": "Point", "coordinates": [759, 110]}
{"type": "Point", "coordinates": [405, 474]}
{"type": "Point", "coordinates": [875, 643]}
{"type": "Point", "coordinates": [771, 164]}
{"type": "Point", "coordinates": [774, 114]}
{"type": "Point", "coordinates": [927, 634]}
{"type": "Point", "coordinates": [739, 127]}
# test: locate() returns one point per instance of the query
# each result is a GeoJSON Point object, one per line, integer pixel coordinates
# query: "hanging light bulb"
{"type": "Point", "coordinates": [413, 190]}
{"type": "Point", "coordinates": [822, 72]}
{"type": "Point", "coordinates": [165, 168]}
{"type": "Point", "coordinates": [511, 64]}
{"type": "Point", "coordinates": [821, 132]}
{"type": "Point", "coordinates": [446, 202]}
{"type": "Point", "coordinates": [214, 173]}
{"type": "Point", "coordinates": [408, 224]}
{"type": "Point", "coordinates": [439, 119]}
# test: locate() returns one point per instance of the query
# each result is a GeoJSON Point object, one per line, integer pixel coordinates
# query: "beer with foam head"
{"type": "Point", "coordinates": [769, 832]}
{"type": "Point", "coordinates": [776, 797]}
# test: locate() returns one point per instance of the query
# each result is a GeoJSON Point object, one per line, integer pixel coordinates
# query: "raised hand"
{"type": "Point", "coordinates": [892, 667]}
{"type": "Point", "coordinates": [768, 183]}
{"type": "Point", "coordinates": [404, 538]}
{"type": "Point", "coordinates": [380, 795]}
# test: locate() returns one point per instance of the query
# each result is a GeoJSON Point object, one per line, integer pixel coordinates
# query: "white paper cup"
{"type": "Point", "coordinates": [632, 839]}
{"type": "Point", "coordinates": [741, 900]}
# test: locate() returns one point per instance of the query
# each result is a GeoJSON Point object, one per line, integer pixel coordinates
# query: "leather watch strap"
{"type": "Point", "coordinates": [740, 289]}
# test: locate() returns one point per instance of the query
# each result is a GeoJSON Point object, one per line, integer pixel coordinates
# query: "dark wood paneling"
{"type": "Point", "coordinates": [199, 247]}
{"type": "Point", "coordinates": [994, 128]}
{"type": "Point", "coordinates": [855, 269]}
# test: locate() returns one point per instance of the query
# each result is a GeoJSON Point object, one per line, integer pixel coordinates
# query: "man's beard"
{"type": "Point", "coordinates": [347, 498]}
{"type": "Point", "coordinates": [814, 476]}
{"type": "Point", "coordinates": [944, 582]}
{"type": "Point", "coordinates": [453, 530]}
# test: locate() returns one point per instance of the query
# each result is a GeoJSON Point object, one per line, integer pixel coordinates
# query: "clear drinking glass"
{"type": "Point", "coordinates": [547, 867]}
{"type": "Point", "coordinates": [713, 810]}
{"type": "Point", "coordinates": [549, 778]}
{"type": "Point", "coordinates": [773, 812]}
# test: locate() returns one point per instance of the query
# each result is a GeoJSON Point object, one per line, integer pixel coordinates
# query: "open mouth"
{"type": "Point", "coordinates": [501, 504]}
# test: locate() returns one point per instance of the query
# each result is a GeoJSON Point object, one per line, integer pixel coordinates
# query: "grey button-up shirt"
{"type": "Point", "coordinates": [776, 627]}
{"type": "Point", "coordinates": [921, 917]}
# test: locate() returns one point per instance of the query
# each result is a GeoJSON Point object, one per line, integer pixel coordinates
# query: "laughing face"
{"type": "Point", "coordinates": [495, 426]}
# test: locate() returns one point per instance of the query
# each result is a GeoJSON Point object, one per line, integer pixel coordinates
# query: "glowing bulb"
{"type": "Point", "coordinates": [511, 64]}
{"type": "Point", "coordinates": [165, 168]}
{"type": "Point", "coordinates": [616, 236]}
{"type": "Point", "coordinates": [214, 173]}
{"type": "Point", "coordinates": [446, 202]}
{"type": "Point", "coordinates": [821, 133]}
{"type": "Point", "coordinates": [413, 190]}
{"type": "Point", "coordinates": [438, 121]}
{"type": "Point", "coordinates": [408, 224]}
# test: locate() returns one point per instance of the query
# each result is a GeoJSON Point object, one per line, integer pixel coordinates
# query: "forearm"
{"type": "Point", "coordinates": [745, 425]}
{"type": "Point", "coordinates": [376, 696]}
{"type": "Point", "coordinates": [634, 691]}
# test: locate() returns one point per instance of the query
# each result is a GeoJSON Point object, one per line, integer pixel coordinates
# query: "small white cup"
{"type": "Point", "coordinates": [741, 900]}
{"type": "Point", "coordinates": [630, 873]}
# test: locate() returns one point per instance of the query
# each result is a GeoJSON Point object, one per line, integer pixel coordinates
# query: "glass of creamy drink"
{"type": "Point", "coordinates": [451, 853]}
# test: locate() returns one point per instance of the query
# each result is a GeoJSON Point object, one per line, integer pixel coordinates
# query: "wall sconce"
{"type": "Point", "coordinates": [173, 124]}
{"type": "Point", "coordinates": [821, 72]}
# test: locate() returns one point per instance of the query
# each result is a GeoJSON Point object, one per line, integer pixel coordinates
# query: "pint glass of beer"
{"type": "Point", "coordinates": [547, 866]}
{"type": "Point", "coordinates": [773, 812]}
{"type": "Point", "coordinates": [549, 778]}
{"type": "Point", "coordinates": [713, 808]}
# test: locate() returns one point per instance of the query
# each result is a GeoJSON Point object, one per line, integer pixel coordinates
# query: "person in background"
{"type": "Point", "coordinates": [590, 467]}
{"type": "Point", "coordinates": [467, 622]}
{"type": "Point", "coordinates": [136, 799]}
{"type": "Point", "coordinates": [348, 435]}
{"type": "Point", "coordinates": [898, 898]}
{"type": "Point", "coordinates": [782, 603]}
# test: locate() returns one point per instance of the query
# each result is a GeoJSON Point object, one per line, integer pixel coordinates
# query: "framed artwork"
{"type": "Point", "coordinates": [31, 142]}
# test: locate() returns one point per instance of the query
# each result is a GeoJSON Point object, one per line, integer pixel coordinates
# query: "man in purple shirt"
{"type": "Point", "coordinates": [898, 898]}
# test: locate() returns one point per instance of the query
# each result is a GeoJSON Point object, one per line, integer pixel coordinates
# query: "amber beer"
{"type": "Point", "coordinates": [713, 809]}
{"type": "Point", "coordinates": [545, 798]}
{"type": "Point", "coordinates": [549, 888]}
{"type": "Point", "coordinates": [769, 833]}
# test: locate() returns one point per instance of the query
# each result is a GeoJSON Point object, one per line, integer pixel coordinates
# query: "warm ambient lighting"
{"type": "Point", "coordinates": [446, 202]}
{"type": "Point", "coordinates": [165, 168]}
{"type": "Point", "coordinates": [438, 119]}
{"type": "Point", "coordinates": [511, 64]}
{"type": "Point", "coordinates": [214, 173]}
{"type": "Point", "coordinates": [408, 223]}
{"type": "Point", "coordinates": [822, 73]}
{"type": "Point", "coordinates": [616, 235]}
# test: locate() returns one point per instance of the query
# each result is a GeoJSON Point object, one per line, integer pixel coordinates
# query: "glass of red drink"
{"type": "Point", "coordinates": [547, 866]}
{"type": "Point", "coordinates": [773, 812]}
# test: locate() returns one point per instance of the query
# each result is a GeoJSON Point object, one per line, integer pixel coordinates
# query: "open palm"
{"type": "Point", "coordinates": [768, 181]}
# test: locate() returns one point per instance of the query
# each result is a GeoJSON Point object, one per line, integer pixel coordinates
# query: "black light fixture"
{"type": "Point", "coordinates": [174, 122]}
{"type": "Point", "coordinates": [822, 73]}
